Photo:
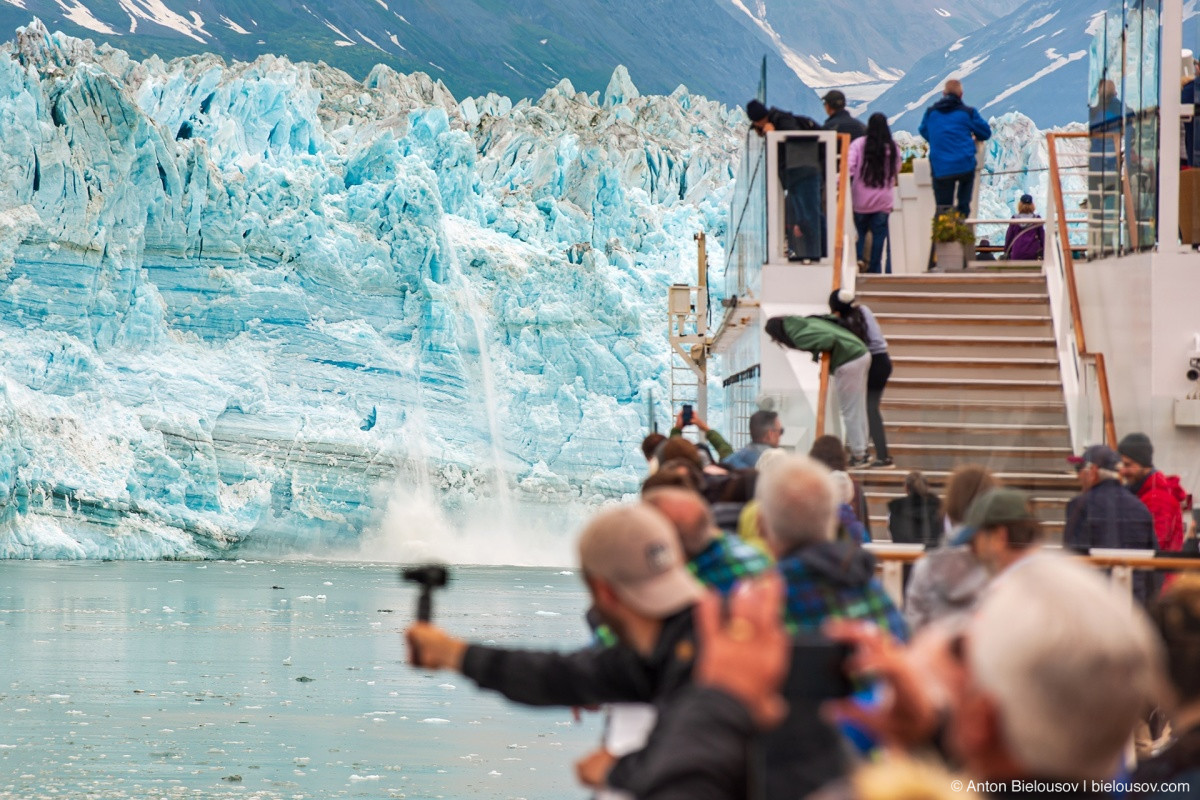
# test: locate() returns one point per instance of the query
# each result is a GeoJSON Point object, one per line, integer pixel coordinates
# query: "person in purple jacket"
{"type": "Point", "coordinates": [1025, 241]}
{"type": "Point", "coordinates": [874, 164]}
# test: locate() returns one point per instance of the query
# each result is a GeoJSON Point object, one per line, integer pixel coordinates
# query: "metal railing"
{"type": "Point", "coordinates": [1063, 283]}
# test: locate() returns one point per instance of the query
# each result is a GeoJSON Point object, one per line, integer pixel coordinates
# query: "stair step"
{"type": "Point", "coordinates": [968, 406]}
{"type": "Point", "coordinates": [1051, 529]}
{"type": "Point", "coordinates": [975, 388]}
{"type": "Point", "coordinates": [871, 297]}
{"type": "Point", "coordinates": [999, 457]}
{"type": "Point", "coordinates": [936, 478]}
{"type": "Point", "coordinates": [958, 282]}
{"type": "Point", "coordinates": [903, 339]}
{"type": "Point", "coordinates": [901, 317]}
{"type": "Point", "coordinates": [1011, 411]}
{"type": "Point", "coordinates": [953, 304]}
{"type": "Point", "coordinates": [948, 362]}
{"type": "Point", "coordinates": [975, 367]}
{"type": "Point", "coordinates": [970, 347]}
{"type": "Point", "coordinates": [1039, 503]}
{"type": "Point", "coordinates": [958, 433]}
{"type": "Point", "coordinates": [1033, 451]}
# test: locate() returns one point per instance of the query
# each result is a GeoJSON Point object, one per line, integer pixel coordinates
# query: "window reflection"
{"type": "Point", "coordinates": [1123, 121]}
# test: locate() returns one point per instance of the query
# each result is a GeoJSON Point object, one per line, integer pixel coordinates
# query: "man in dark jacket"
{"type": "Point", "coordinates": [800, 174]}
{"type": "Point", "coordinates": [838, 118]}
{"type": "Point", "coordinates": [702, 742]}
{"type": "Point", "coordinates": [640, 586]}
{"type": "Point", "coordinates": [764, 120]}
{"type": "Point", "coordinates": [952, 128]}
{"type": "Point", "coordinates": [1107, 515]}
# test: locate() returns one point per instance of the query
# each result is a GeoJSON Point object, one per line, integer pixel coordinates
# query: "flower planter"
{"type": "Point", "coordinates": [950, 257]}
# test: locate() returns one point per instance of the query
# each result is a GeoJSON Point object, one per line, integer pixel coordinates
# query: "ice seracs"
{"type": "Point", "coordinates": [214, 273]}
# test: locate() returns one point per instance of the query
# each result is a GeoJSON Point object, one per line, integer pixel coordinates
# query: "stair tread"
{"type": "Point", "coordinates": [980, 427]}
{"type": "Point", "coordinates": [934, 338]}
{"type": "Point", "coordinates": [897, 317]}
{"type": "Point", "coordinates": [975, 382]}
{"type": "Point", "coordinates": [957, 297]}
{"type": "Point", "coordinates": [1035, 499]}
{"type": "Point", "coordinates": [983, 448]}
{"type": "Point", "coordinates": [881, 520]}
{"type": "Point", "coordinates": [946, 277]}
{"type": "Point", "coordinates": [938, 476]}
{"type": "Point", "coordinates": [956, 361]}
{"type": "Point", "coordinates": [974, 405]}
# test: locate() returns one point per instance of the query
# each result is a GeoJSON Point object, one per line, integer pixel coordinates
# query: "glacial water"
{"type": "Point", "coordinates": [271, 680]}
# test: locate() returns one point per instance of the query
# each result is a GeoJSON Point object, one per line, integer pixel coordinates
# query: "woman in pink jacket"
{"type": "Point", "coordinates": [874, 166]}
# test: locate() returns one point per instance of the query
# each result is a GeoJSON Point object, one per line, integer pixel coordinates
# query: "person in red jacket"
{"type": "Point", "coordinates": [1161, 494]}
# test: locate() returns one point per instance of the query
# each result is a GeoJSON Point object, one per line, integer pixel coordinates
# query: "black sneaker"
{"type": "Point", "coordinates": [859, 463]}
{"type": "Point", "coordinates": [882, 463]}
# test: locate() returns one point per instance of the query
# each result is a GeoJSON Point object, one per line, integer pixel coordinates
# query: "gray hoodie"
{"type": "Point", "coordinates": [945, 581]}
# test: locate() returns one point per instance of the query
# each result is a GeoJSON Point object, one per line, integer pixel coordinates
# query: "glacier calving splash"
{"type": "Point", "coordinates": [239, 304]}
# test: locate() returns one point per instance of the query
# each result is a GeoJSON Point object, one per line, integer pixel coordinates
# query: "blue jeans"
{"type": "Point", "coordinates": [943, 192]}
{"type": "Point", "coordinates": [805, 215]}
{"type": "Point", "coordinates": [877, 224]}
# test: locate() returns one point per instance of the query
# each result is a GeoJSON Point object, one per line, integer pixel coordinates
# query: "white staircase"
{"type": "Point", "coordinates": [975, 381]}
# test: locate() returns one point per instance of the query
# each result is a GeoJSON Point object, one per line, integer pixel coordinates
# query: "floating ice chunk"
{"type": "Point", "coordinates": [446, 686]}
{"type": "Point", "coordinates": [547, 613]}
{"type": "Point", "coordinates": [435, 720]}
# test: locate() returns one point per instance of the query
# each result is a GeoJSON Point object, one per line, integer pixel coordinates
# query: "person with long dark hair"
{"type": "Point", "coordinates": [874, 166]}
{"type": "Point", "coordinates": [858, 319]}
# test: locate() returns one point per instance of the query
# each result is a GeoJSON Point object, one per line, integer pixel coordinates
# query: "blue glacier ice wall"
{"type": "Point", "coordinates": [240, 303]}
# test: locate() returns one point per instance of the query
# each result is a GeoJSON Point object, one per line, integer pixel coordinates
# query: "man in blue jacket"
{"type": "Point", "coordinates": [952, 128]}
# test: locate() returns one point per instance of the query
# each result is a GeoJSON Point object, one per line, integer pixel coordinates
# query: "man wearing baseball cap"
{"type": "Point", "coordinates": [1001, 529]}
{"type": "Point", "coordinates": [838, 118]}
{"type": "Point", "coordinates": [1106, 514]}
{"type": "Point", "coordinates": [640, 587]}
{"type": "Point", "coordinates": [1161, 494]}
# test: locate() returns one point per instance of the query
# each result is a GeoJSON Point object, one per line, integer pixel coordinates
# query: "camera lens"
{"type": "Point", "coordinates": [1193, 374]}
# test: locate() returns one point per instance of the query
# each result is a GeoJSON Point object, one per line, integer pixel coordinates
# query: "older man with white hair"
{"type": "Point", "coordinates": [1038, 693]}
{"type": "Point", "coordinates": [826, 579]}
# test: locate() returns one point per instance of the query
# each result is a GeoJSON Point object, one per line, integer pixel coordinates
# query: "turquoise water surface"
{"type": "Point", "coordinates": [271, 680]}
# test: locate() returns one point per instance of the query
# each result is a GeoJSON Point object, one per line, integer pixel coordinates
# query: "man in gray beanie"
{"type": "Point", "coordinates": [1161, 494]}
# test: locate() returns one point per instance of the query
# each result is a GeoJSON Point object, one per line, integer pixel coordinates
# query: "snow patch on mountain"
{"type": "Point", "coordinates": [81, 16]}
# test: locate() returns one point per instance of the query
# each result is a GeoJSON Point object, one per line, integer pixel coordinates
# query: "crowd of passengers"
{"type": "Point", "coordinates": [743, 647]}
{"type": "Point", "coordinates": [719, 599]}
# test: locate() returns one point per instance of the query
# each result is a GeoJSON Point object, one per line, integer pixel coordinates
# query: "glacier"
{"type": "Point", "coordinates": [263, 309]}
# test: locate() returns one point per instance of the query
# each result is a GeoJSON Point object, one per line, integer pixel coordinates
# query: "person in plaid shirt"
{"type": "Point", "coordinates": [716, 558]}
{"type": "Point", "coordinates": [826, 579]}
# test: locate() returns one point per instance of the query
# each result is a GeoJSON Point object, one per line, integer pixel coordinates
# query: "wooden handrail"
{"type": "Point", "coordinates": [839, 255]}
{"type": "Point", "coordinates": [909, 555]}
{"type": "Point", "coordinates": [1110, 428]}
